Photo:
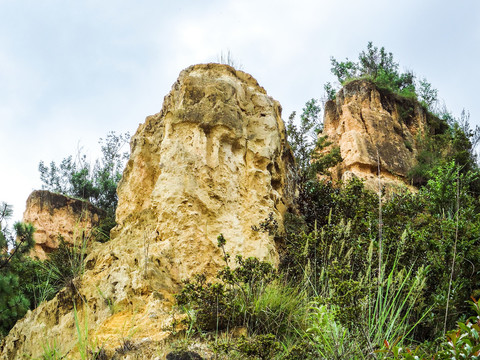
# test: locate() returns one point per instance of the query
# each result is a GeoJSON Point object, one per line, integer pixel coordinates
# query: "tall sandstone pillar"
{"type": "Point", "coordinates": [214, 160]}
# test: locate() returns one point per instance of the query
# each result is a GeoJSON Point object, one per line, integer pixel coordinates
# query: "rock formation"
{"type": "Point", "coordinates": [214, 160]}
{"type": "Point", "coordinates": [55, 216]}
{"type": "Point", "coordinates": [368, 125]}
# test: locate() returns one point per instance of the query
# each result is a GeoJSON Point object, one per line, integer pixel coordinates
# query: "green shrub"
{"type": "Point", "coordinates": [251, 296]}
{"type": "Point", "coordinates": [378, 66]}
{"type": "Point", "coordinates": [264, 347]}
{"type": "Point", "coordinates": [464, 342]}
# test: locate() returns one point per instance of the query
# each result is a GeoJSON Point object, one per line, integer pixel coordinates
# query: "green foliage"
{"type": "Point", "coordinates": [34, 282]}
{"type": "Point", "coordinates": [322, 161]}
{"type": "Point", "coordinates": [87, 347]}
{"type": "Point", "coordinates": [24, 282]}
{"type": "Point", "coordinates": [51, 352]}
{"type": "Point", "coordinates": [250, 295]}
{"type": "Point", "coordinates": [343, 70]}
{"type": "Point", "coordinates": [14, 247]}
{"type": "Point", "coordinates": [6, 212]}
{"type": "Point", "coordinates": [379, 66]}
{"type": "Point", "coordinates": [329, 252]}
{"type": "Point", "coordinates": [464, 342]}
{"type": "Point", "coordinates": [450, 140]}
{"type": "Point", "coordinates": [441, 189]}
{"type": "Point", "coordinates": [95, 182]}
{"type": "Point", "coordinates": [308, 146]}
{"type": "Point", "coordinates": [330, 92]}
{"type": "Point", "coordinates": [330, 339]}
{"type": "Point", "coordinates": [391, 310]}
{"type": "Point", "coordinates": [334, 244]}
{"type": "Point", "coordinates": [207, 305]}
{"type": "Point", "coordinates": [461, 343]}
{"type": "Point", "coordinates": [375, 61]}
{"type": "Point", "coordinates": [263, 347]}
{"type": "Point", "coordinates": [13, 303]}
{"type": "Point", "coordinates": [14, 300]}
{"type": "Point", "coordinates": [302, 139]}
{"type": "Point", "coordinates": [427, 95]}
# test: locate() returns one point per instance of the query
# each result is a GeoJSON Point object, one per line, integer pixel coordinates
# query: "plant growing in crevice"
{"type": "Point", "coordinates": [66, 265]}
{"type": "Point", "coordinates": [51, 351]}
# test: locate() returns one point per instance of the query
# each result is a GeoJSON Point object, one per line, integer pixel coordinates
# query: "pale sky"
{"type": "Point", "coordinates": [70, 71]}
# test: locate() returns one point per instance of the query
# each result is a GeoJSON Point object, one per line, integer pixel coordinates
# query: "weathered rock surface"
{"type": "Point", "coordinates": [214, 160]}
{"type": "Point", "coordinates": [369, 125]}
{"type": "Point", "coordinates": [55, 216]}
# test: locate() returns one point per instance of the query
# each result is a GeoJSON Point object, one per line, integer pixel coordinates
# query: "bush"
{"type": "Point", "coordinates": [250, 296]}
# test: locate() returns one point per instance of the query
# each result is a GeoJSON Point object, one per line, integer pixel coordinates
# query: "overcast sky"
{"type": "Point", "coordinates": [70, 71]}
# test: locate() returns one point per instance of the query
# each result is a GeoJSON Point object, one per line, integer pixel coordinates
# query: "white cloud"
{"type": "Point", "coordinates": [72, 71]}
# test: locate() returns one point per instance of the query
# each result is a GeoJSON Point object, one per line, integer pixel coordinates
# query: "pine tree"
{"type": "Point", "coordinates": [13, 302]}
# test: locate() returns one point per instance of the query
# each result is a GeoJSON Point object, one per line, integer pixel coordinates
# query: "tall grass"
{"type": "Point", "coordinates": [331, 340]}
{"type": "Point", "coordinates": [51, 351]}
{"type": "Point", "coordinates": [278, 309]}
{"type": "Point", "coordinates": [88, 349]}
{"type": "Point", "coordinates": [390, 313]}
{"type": "Point", "coordinates": [82, 334]}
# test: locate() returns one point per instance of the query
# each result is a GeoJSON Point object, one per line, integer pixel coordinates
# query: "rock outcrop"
{"type": "Point", "coordinates": [57, 216]}
{"type": "Point", "coordinates": [214, 160]}
{"type": "Point", "coordinates": [370, 125]}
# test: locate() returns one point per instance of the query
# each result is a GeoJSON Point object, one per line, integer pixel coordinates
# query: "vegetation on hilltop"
{"type": "Point", "coordinates": [450, 138]}
{"type": "Point", "coordinates": [379, 66]}
{"type": "Point", "coordinates": [26, 282]}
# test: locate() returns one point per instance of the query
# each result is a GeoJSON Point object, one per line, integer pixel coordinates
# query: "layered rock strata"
{"type": "Point", "coordinates": [371, 126]}
{"type": "Point", "coordinates": [56, 217]}
{"type": "Point", "coordinates": [214, 160]}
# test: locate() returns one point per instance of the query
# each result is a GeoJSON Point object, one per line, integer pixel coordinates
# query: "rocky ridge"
{"type": "Point", "coordinates": [214, 160]}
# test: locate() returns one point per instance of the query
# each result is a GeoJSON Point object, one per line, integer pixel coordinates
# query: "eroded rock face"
{"type": "Point", "coordinates": [55, 216]}
{"type": "Point", "coordinates": [214, 160]}
{"type": "Point", "coordinates": [368, 125]}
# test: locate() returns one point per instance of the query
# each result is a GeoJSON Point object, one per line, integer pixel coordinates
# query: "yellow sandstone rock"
{"type": "Point", "coordinates": [369, 125]}
{"type": "Point", "coordinates": [214, 160]}
{"type": "Point", "coordinates": [55, 216]}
